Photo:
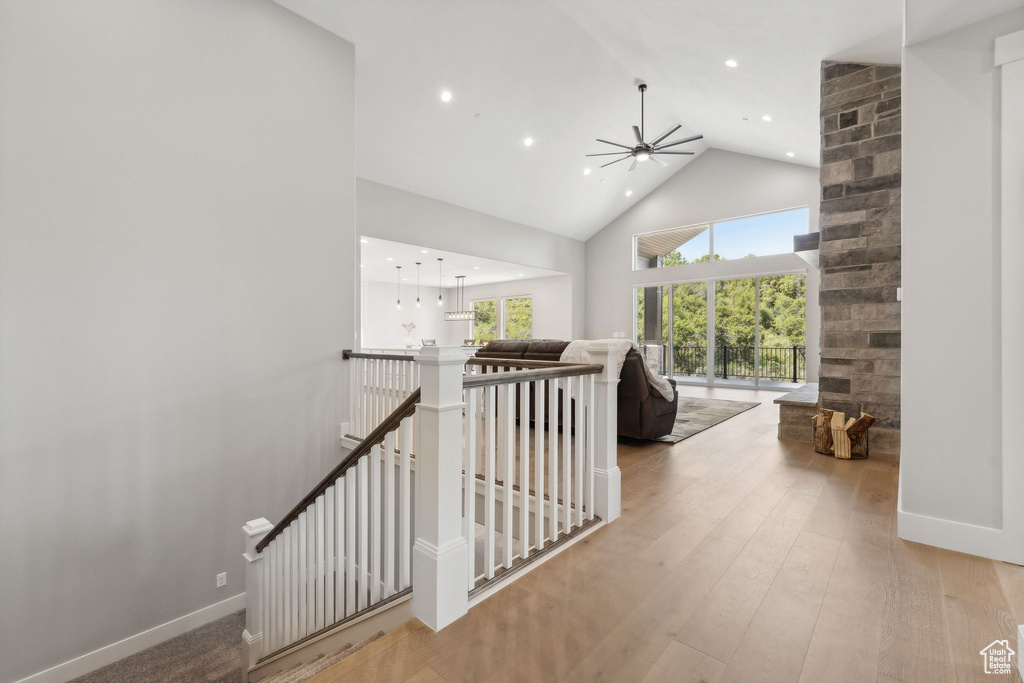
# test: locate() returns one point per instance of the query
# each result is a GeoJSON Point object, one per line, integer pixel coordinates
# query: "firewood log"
{"type": "Point", "coordinates": [860, 425]}
{"type": "Point", "coordinates": [840, 441]}
{"type": "Point", "coordinates": [823, 432]}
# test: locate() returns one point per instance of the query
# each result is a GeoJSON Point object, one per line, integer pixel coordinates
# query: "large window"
{"type": "Point", "coordinates": [517, 317]}
{"type": "Point", "coordinates": [760, 235]}
{"type": "Point", "coordinates": [512, 320]}
{"type": "Point", "coordinates": [749, 330]}
{"type": "Point", "coordinates": [485, 327]}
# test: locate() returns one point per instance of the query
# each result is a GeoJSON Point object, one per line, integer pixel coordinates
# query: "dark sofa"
{"type": "Point", "coordinates": [643, 413]}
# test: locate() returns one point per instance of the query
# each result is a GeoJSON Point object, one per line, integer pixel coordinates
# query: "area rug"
{"type": "Point", "coordinates": [694, 415]}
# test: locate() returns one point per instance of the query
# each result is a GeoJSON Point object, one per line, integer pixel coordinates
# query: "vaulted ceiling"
{"type": "Point", "coordinates": [564, 73]}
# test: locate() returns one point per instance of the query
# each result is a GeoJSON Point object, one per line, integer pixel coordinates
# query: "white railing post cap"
{"type": "Point", "coordinates": [257, 526]}
{"type": "Point", "coordinates": [442, 355]}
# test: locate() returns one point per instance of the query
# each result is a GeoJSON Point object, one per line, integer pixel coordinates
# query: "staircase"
{"type": "Point", "coordinates": [464, 471]}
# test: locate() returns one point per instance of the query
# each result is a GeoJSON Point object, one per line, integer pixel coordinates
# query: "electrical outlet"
{"type": "Point", "coordinates": [222, 579]}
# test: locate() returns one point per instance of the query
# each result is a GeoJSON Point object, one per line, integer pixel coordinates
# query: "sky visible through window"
{"type": "Point", "coordinates": [770, 233]}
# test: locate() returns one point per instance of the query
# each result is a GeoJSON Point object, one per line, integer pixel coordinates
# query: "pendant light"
{"type": "Point", "coordinates": [460, 313]}
{"type": "Point", "coordinates": [417, 284]}
{"type": "Point", "coordinates": [398, 281]}
{"type": "Point", "coordinates": [440, 301]}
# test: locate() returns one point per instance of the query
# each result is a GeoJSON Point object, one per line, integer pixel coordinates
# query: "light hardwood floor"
{"type": "Point", "coordinates": [737, 558]}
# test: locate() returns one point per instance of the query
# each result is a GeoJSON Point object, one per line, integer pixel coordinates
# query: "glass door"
{"type": "Point", "coordinates": [782, 348]}
{"type": "Point", "coordinates": [689, 330]}
{"type": "Point", "coordinates": [735, 337]}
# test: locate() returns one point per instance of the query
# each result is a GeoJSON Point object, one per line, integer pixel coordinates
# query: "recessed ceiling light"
{"type": "Point", "coordinates": [602, 180]}
{"type": "Point", "coordinates": [424, 251]}
{"type": "Point", "coordinates": [405, 279]}
{"type": "Point", "coordinates": [446, 96]}
{"type": "Point", "coordinates": [390, 259]}
{"type": "Point", "coordinates": [360, 265]}
{"type": "Point", "coordinates": [365, 241]}
{"type": "Point", "coordinates": [790, 154]}
{"type": "Point", "coordinates": [629, 192]}
{"type": "Point", "coordinates": [586, 171]}
{"type": "Point", "coordinates": [476, 267]}
{"type": "Point", "coordinates": [528, 141]}
{"type": "Point", "coordinates": [766, 118]}
{"type": "Point", "coordinates": [731, 63]}
{"type": "Point", "coordinates": [519, 274]}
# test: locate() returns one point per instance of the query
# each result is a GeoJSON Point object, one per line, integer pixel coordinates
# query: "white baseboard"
{"type": "Point", "coordinates": [944, 533]}
{"type": "Point", "coordinates": [109, 654]}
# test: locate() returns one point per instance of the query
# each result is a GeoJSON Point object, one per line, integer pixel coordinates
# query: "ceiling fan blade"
{"type": "Point", "coordinates": [681, 142]}
{"type": "Point", "coordinates": [656, 159]}
{"type": "Point", "coordinates": [675, 152]}
{"type": "Point", "coordinates": [633, 165]}
{"type": "Point", "coordinates": [639, 138]}
{"type": "Point", "coordinates": [605, 154]}
{"type": "Point", "coordinates": [616, 161]}
{"type": "Point", "coordinates": [615, 144]}
{"type": "Point", "coordinates": [664, 135]}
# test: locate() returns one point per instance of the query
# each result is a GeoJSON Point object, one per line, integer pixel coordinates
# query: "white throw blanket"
{"type": "Point", "coordinates": [576, 352]}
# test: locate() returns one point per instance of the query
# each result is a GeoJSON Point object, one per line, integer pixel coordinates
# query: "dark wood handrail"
{"type": "Point", "coordinates": [349, 354]}
{"type": "Point", "coordinates": [390, 423]}
{"type": "Point", "coordinates": [531, 375]}
{"type": "Point", "coordinates": [515, 363]}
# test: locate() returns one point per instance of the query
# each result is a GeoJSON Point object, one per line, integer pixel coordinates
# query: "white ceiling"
{"type": "Point", "coordinates": [564, 73]}
{"type": "Point", "coordinates": [375, 266]}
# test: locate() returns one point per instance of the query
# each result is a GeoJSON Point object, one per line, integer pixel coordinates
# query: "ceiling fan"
{"type": "Point", "coordinates": [642, 151]}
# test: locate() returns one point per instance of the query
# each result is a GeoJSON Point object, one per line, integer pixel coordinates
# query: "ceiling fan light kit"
{"type": "Point", "coordinates": [642, 151]}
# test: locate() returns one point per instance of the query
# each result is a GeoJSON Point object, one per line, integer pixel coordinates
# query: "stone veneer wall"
{"type": "Point", "coordinates": [859, 253]}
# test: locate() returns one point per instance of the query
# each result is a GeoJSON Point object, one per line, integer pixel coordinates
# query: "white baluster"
{"type": "Point", "coordinates": [590, 446]}
{"type": "Point", "coordinates": [375, 513]}
{"type": "Point", "coordinates": [311, 587]}
{"type": "Point", "coordinates": [490, 462]}
{"type": "Point", "coordinates": [538, 464]}
{"type": "Point", "coordinates": [350, 542]}
{"type": "Point", "coordinates": [524, 469]}
{"type": "Point", "coordinates": [389, 514]}
{"type": "Point", "coordinates": [255, 590]}
{"type": "Point", "coordinates": [405, 505]}
{"type": "Point", "coordinates": [509, 418]}
{"type": "Point", "coordinates": [338, 581]}
{"type": "Point", "coordinates": [328, 596]}
{"type": "Point", "coordinates": [364, 533]}
{"type": "Point", "coordinates": [304, 589]}
{"type": "Point", "coordinates": [469, 485]}
{"type": "Point", "coordinates": [289, 588]}
{"type": "Point", "coordinates": [567, 455]}
{"type": "Point", "coordinates": [553, 457]}
{"type": "Point", "coordinates": [580, 435]}
{"type": "Point", "coordinates": [320, 562]}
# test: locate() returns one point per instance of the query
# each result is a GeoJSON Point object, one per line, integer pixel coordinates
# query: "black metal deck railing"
{"type": "Point", "coordinates": [786, 363]}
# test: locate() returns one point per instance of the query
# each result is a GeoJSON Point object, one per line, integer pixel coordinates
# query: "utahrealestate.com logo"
{"type": "Point", "coordinates": [997, 657]}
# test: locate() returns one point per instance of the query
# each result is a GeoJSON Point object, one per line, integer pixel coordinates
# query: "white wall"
{"type": "Point", "coordinates": [389, 213]}
{"type": "Point", "coordinates": [716, 185]}
{"type": "Point", "coordinates": [382, 322]}
{"type": "Point", "coordinates": [177, 251]}
{"type": "Point", "coordinates": [552, 303]}
{"type": "Point", "coordinates": [951, 476]}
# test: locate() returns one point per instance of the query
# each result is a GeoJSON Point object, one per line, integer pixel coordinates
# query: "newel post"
{"type": "Point", "coordinates": [440, 553]}
{"type": "Point", "coordinates": [252, 636]}
{"type": "Point", "coordinates": [607, 477]}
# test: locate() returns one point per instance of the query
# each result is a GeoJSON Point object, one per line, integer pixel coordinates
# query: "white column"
{"type": "Point", "coordinates": [1009, 57]}
{"type": "Point", "coordinates": [440, 553]}
{"type": "Point", "coordinates": [607, 477]}
{"type": "Point", "coordinates": [252, 636]}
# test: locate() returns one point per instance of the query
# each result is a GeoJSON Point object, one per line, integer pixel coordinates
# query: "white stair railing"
{"type": "Point", "coordinates": [379, 384]}
{"type": "Point", "coordinates": [343, 550]}
{"type": "Point", "coordinates": [356, 543]}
